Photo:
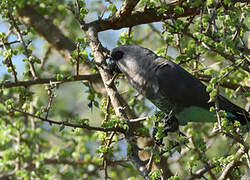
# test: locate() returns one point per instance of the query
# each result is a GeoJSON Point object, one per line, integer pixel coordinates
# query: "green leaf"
{"type": "Point", "coordinates": [210, 2]}
{"type": "Point", "coordinates": [61, 128]}
{"type": "Point", "coordinates": [112, 8]}
{"type": "Point", "coordinates": [61, 7]}
{"type": "Point", "coordinates": [179, 10]}
{"type": "Point", "coordinates": [2, 34]}
{"type": "Point", "coordinates": [227, 2]}
{"type": "Point", "coordinates": [83, 12]}
{"type": "Point", "coordinates": [59, 77]}
{"type": "Point", "coordinates": [156, 174]}
{"type": "Point", "coordinates": [174, 178]}
{"type": "Point", "coordinates": [84, 121]}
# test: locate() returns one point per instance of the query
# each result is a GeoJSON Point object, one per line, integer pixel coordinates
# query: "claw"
{"type": "Point", "coordinates": [170, 124]}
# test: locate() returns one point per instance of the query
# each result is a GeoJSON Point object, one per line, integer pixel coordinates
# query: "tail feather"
{"type": "Point", "coordinates": [234, 112]}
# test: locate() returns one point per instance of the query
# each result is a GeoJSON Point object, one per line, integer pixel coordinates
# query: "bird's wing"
{"type": "Point", "coordinates": [184, 90]}
{"type": "Point", "coordinates": [179, 86]}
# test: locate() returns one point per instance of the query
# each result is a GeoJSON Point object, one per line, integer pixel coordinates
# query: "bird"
{"type": "Point", "coordinates": [171, 88]}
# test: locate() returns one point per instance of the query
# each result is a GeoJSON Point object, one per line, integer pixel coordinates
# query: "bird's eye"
{"type": "Point", "coordinates": [117, 55]}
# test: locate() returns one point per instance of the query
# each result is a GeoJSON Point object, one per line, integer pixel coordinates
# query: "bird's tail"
{"type": "Point", "coordinates": [234, 112]}
{"type": "Point", "coordinates": [242, 117]}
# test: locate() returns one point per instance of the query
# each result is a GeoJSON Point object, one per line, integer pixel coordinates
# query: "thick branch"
{"type": "Point", "coordinates": [141, 16]}
{"type": "Point", "coordinates": [231, 165]}
{"type": "Point", "coordinates": [116, 100]}
{"type": "Point", "coordinates": [123, 18]}
{"type": "Point", "coordinates": [47, 29]}
{"type": "Point", "coordinates": [51, 33]}
{"type": "Point", "coordinates": [125, 10]}
{"type": "Point", "coordinates": [144, 16]}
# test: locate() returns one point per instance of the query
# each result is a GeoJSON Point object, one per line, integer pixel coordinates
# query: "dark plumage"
{"type": "Point", "coordinates": [170, 87]}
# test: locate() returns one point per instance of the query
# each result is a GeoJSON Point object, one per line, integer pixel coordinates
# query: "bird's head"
{"type": "Point", "coordinates": [132, 59]}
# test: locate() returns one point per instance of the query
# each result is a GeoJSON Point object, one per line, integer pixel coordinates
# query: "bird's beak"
{"type": "Point", "coordinates": [112, 65]}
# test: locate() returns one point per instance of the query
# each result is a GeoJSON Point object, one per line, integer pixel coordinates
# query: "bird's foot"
{"type": "Point", "coordinates": [170, 124]}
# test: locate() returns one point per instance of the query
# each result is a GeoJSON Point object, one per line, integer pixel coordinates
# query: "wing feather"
{"type": "Point", "coordinates": [180, 86]}
{"type": "Point", "coordinates": [184, 90]}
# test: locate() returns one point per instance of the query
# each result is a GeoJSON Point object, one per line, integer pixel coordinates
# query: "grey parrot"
{"type": "Point", "coordinates": [171, 88]}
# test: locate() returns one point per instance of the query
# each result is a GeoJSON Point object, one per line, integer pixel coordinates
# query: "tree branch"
{"type": "Point", "coordinates": [206, 78]}
{"type": "Point", "coordinates": [47, 29]}
{"type": "Point", "coordinates": [90, 77]}
{"type": "Point", "coordinates": [65, 123]}
{"type": "Point", "coordinates": [82, 162]}
{"type": "Point", "coordinates": [231, 165]}
{"type": "Point", "coordinates": [70, 162]}
{"type": "Point", "coordinates": [214, 49]}
{"type": "Point", "coordinates": [6, 177]}
{"type": "Point", "coordinates": [200, 173]}
{"type": "Point", "coordinates": [141, 16]}
{"type": "Point", "coordinates": [116, 100]}
{"type": "Point", "coordinates": [9, 62]}
{"type": "Point", "coordinates": [65, 46]}
{"type": "Point", "coordinates": [125, 10]}
{"type": "Point", "coordinates": [9, 43]}
{"type": "Point", "coordinates": [27, 54]}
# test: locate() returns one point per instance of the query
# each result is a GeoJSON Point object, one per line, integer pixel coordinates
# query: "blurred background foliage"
{"type": "Point", "coordinates": [202, 44]}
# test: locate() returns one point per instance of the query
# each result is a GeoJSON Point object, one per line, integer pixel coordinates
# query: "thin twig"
{"type": "Point", "coordinates": [212, 48]}
{"type": "Point", "coordinates": [200, 173]}
{"type": "Point", "coordinates": [90, 77]}
{"type": "Point", "coordinates": [51, 97]}
{"type": "Point", "coordinates": [9, 43]}
{"type": "Point", "coordinates": [207, 78]}
{"type": "Point", "coordinates": [226, 172]}
{"type": "Point", "coordinates": [217, 108]}
{"type": "Point", "coordinates": [46, 56]}
{"type": "Point", "coordinates": [106, 118]}
{"type": "Point", "coordinates": [65, 123]}
{"type": "Point", "coordinates": [137, 120]}
{"type": "Point", "coordinates": [107, 110]}
{"type": "Point", "coordinates": [9, 63]}
{"type": "Point", "coordinates": [77, 59]}
{"type": "Point", "coordinates": [31, 64]}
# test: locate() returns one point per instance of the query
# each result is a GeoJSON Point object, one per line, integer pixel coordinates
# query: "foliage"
{"type": "Point", "coordinates": [54, 126]}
